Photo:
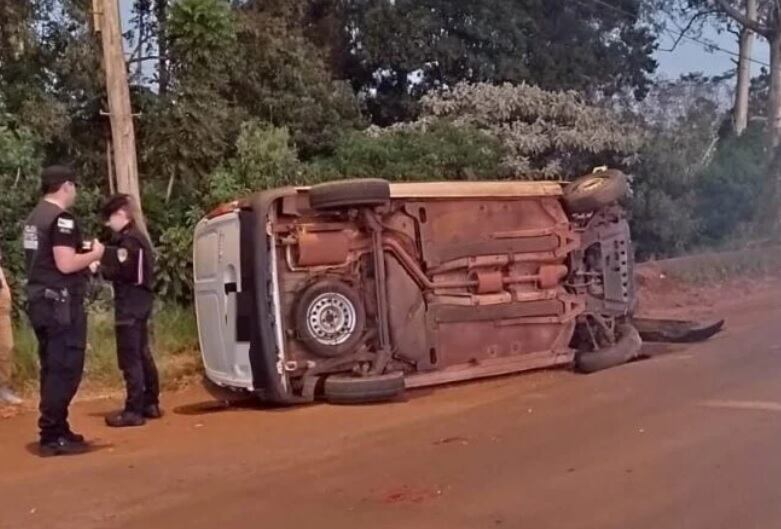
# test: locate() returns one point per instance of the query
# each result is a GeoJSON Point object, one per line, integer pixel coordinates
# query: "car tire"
{"type": "Point", "coordinates": [364, 192]}
{"type": "Point", "coordinates": [627, 348]}
{"type": "Point", "coordinates": [346, 389]}
{"type": "Point", "coordinates": [595, 191]}
{"type": "Point", "coordinates": [330, 299]}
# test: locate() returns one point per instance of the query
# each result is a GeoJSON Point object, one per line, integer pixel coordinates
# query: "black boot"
{"type": "Point", "coordinates": [125, 419]}
{"type": "Point", "coordinates": [61, 447]}
{"type": "Point", "coordinates": [74, 437]}
{"type": "Point", "coordinates": [153, 411]}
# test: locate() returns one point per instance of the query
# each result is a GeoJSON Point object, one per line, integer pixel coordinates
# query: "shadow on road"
{"type": "Point", "coordinates": [34, 448]}
{"type": "Point", "coordinates": [216, 406]}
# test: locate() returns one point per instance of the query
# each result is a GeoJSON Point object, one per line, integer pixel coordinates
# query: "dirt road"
{"type": "Point", "coordinates": [689, 439]}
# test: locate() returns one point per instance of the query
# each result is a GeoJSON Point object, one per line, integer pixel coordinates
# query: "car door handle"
{"type": "Point", "coordinates": [231, 288]}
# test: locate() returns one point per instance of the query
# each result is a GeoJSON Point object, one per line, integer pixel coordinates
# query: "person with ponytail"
{"type": "Point", "coordinates": [129, 264]}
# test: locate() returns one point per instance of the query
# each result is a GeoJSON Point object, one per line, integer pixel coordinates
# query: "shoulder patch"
{"type": "Point", "coordinates": [30, 238]}
{"type": "Point", "coordinates": [66, 224]}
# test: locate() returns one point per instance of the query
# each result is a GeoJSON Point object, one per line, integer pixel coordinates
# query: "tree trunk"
{"type": "Point", "coordinates": [161, 14]}
{"type": "Point", "coordinates": [774, 101]}
{"type": "Point", "coordinates": [744, 71]}
{"type": "Point", "coordinates": [771, 220]}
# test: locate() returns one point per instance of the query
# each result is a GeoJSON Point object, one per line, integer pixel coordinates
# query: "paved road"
{"type": "Point", "coordinates": [689, 439]}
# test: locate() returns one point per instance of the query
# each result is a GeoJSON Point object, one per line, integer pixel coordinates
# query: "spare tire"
{"type": "Point", "coordinates": [330, 318]}
{"type": "Point", "coordinates": [627, 348]}
{"type": "Point", "coordinates": [365, 192]}
{"type": "Point", "coordinates": [595, 191]}
{"type": "Point", "coordinates": [347, 389]}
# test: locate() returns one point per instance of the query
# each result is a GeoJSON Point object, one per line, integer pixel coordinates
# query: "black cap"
{"type": "Point", "coordinates": [54, 176]}
{"type": "Point", "coordinates": [113, 204]}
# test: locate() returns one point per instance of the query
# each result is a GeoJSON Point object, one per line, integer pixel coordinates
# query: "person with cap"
{"type": "Point", "coordinates": [57, 263]}
{"type": "Point", "coordinates": [7, 396]}
{"type": "Point", "coordinates": [129, 263]}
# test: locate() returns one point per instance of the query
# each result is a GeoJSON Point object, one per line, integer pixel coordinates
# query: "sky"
{"type": "Point", "coordinates": [687, 57]}
{"type": "Point", "coordinates": [691, 56]}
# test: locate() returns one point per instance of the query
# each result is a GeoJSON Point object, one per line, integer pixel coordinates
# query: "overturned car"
{"type": "Point", "coordinates": [355, 290]}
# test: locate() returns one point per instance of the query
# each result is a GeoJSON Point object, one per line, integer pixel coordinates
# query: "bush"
{"type": "Point", "coordinates": [441, 151]}
{"type": "Point", "coordinates": [19, 168]}
{"type": "Point", "coordinates": [685, 200]}
{"type": "Point", "coordinates": [667, 172]}
{"type": "Point", "coordinates": [174, 344]}
{"type": "Point", "coordinates": [730, 187]}
{"type": "Point", "coordinates": [544, 134]}
{"type": "Point", "coordinates": [265, 158]}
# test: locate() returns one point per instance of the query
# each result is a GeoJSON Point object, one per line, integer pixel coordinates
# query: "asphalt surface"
{"type": "Point", "coordinates": [688, 439]}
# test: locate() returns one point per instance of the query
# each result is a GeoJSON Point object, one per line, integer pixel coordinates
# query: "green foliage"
{"type": "Point", "coordinates": [253, 94]}
{"type": "Point", "coordinates": [729, 189]}
{"type": "Point", "coordinates": [188, 133]}
{"type": "Point", "coordinates": [188, 130]}
{"type": "Point", "coordinates": [174, 344]}
{"type": "Point", "coordinates": [264, 158]}
{"type": "Point", "coordinates": [394, 52]}
{"type": "Point", "coordinates": [19, 166]}
{"type": "Point", "coordinates": [543, 134]}
{"type": "Point", "coordinates": [695, 185]}
{"type": "Point", "coordinates": [664, 189]}
{"type": "Point", "coordinates": [55, 86]}
{"type": "Point", "coordinates": [175, 264]}
{"type": "Point", "coordinates": [201, 39]}
{"type": "Point", "coordinates": [440, 152]}
{"type": "Point", "coordinates": [281, 78]}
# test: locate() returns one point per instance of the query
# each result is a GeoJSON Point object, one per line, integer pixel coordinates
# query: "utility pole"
{"type": "Point", "coordinates": [109, 26]}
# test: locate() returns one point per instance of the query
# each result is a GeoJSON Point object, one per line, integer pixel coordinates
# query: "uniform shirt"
{"type": "Point", "coordinates": [47, 227]}
{"type": "Point", "coordinates": [129, 264]}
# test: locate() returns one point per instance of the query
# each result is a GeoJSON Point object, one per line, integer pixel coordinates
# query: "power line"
{"type": "Point", "coordinates": [678, 35]}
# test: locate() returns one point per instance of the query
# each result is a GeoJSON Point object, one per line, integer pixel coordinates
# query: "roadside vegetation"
{"type": "Point", "coordinates": [175, 347]}
{"type": "Point", "coordinates": [235, 97]}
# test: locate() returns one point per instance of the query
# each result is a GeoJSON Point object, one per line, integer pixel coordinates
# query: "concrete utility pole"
{"type": "Point", "coordinates": [109, 26]}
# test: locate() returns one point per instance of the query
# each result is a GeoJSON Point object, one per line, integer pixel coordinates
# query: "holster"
{"type": "Point", "coordinates": [61, 305]}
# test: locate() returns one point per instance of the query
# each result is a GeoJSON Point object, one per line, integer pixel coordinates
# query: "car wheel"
{"type": "Point", "coordinates": [346, 389]}
{"type": "Point", "coordinates": [350, 193]}
{"type": "Point", "coordinates": [627, 348]}
{"type": "Point", "coordinates": [330, 318]}
{"type": "Point", "coordinates": [595, 191]}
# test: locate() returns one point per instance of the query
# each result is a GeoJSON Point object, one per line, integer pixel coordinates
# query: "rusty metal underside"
{"type": "Point", "coordinates": [473, 285]}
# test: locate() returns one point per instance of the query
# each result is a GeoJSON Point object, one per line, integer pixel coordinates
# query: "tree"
{"type": "Point", "coordinates": [394, 52]}
{"type": "Point", "coordinates": [764, 20]}
{"type": "Point", "coordinates": [233, 63]}
{"type": "Point", "coordinates": [544, 134]}
{"type": "Point", "coordinates": [681, 119]}
{"type": "Point", "coordinates": [281, 77]}
{"type": "Point", "coordinates": [767, 23]}
{"type": "Point", "coordinates": [189, 128]}
{"type": "Point", "coordinates": [688, 18]}
{"type": "Point", "coordinates": [19, 166]}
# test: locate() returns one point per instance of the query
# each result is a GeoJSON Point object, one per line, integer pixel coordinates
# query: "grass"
{"type": "Point", "coordinates": [711, 268]}
{"type": "Point", "coordinates": [174, 345]}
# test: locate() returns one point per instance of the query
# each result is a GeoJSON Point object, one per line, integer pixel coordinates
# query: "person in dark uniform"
{"type": "Point", "coordinates": [57, 265]}
{"type": "Point", "coordinates": [129, 263]}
